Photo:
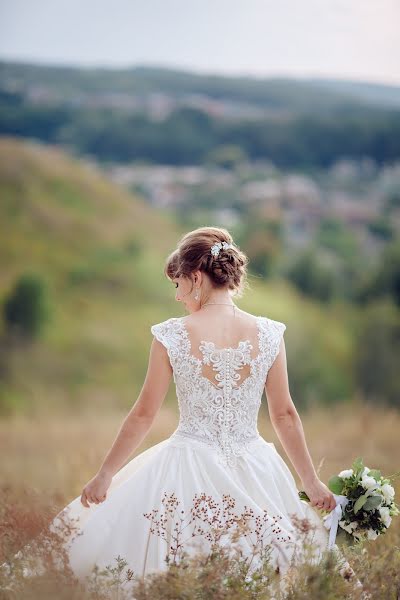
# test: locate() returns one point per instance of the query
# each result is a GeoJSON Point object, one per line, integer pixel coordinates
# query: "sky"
{"type": "Point", "coordinates": [347, 39]}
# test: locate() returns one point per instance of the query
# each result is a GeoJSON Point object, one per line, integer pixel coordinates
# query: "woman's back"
{"type": "Point", "coordinates": [220, 365]}
{"type": "Point", "coordinates": [225, 329]}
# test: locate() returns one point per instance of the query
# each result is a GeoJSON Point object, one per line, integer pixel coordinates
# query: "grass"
{"type": "Point", "coordinates": [102, 250]}
{"type": "Point", "coordinates": [47, 460]}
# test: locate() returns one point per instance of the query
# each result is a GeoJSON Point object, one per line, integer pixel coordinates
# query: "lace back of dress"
{"type": "Point", "coordinates": [225, 367]}
{"type": "Point", "coordinates": [219, 385]}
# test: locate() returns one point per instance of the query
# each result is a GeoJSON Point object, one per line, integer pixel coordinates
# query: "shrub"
{"type": "Point", "coordinates": [26, 308]}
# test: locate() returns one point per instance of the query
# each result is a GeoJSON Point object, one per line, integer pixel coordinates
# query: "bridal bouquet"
{"type": "Point", "coordinates": [364, 503]}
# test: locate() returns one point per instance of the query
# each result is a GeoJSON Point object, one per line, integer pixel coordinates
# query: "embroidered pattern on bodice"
{"type": "Point", "coordinates": [222, 413]}
{"type": "Point", "coordinates": [226, 361]}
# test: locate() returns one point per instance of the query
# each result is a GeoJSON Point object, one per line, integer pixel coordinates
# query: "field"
{"type": "Point", "coordinates": [47, 460]}
{"type": "Point", "coordinates": [64, 394]}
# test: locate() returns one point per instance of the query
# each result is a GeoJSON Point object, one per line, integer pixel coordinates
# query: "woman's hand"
{"type": "Point", "coordinates": [95, 490]}
{"type": "Point", "coordinates": [319, 494]}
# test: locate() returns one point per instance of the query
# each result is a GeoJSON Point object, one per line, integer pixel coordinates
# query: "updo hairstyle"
{"type": "Point", "coordinates": [193, 253]}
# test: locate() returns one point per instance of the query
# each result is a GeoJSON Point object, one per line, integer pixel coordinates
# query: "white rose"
{"type": "Point", "coordinates": [348, 526]}
{"type": "Point", "coordinates": [388, 492]}
{"type": "Point", "coordinates": [385, 516]}
{"type": "Point", "coordinates": [371, 534]}
{"type": "Point", "coordinates": [366, 470]}
{"type": "Point", "coordinates": [368, 482]}
{"type": "Point", "coordinates": [346, 473]}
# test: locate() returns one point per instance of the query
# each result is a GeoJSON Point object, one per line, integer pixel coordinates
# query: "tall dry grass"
{"type": "Point", "coordinates": [46, 462]}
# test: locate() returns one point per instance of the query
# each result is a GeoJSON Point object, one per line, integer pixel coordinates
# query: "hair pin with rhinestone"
{"type": "Point", "coordinates": [215, 249]}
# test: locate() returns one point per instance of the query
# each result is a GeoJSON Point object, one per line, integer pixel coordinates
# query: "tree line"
{"type": "Point", "coordinates": [191, 136]}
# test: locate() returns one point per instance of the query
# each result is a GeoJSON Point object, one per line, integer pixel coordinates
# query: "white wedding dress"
{"type": "Point", "coordinates": [216, 451]}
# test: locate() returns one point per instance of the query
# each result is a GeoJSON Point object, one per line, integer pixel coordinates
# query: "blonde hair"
{"type": "Point", "coordinates": [193, 253]}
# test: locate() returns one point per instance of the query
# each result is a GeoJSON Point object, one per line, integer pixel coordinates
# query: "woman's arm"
{"type": "Point", "coordinates": [289, 429]}
{"type": "Point", "coordinates": [136, 424]}
{"type": "Point", "coordinates": [141, 416]}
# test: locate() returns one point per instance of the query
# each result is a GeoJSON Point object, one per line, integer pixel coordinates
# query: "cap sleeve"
{"type": "Point", "coordinates": [166, 333]}
{"type": "Point", "coordinates": [278, 329]}
{"type": "Point", "coordinates": [160, 332]}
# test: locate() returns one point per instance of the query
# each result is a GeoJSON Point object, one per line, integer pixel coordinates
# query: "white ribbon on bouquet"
{"type": "Point", "coordinates": [331, 521]}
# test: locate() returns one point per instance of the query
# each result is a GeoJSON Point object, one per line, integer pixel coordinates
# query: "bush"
{"type": "Point", "coordinates": [385, 279]}
{"type": "Point", "coordinates": [376, 354]}
{"type": "Point", "coordinates": [311, 277]}
{"type": "Point", "coordinates": [26, 308]}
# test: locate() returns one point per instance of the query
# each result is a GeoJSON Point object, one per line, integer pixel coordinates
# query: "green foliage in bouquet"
{"type": "Point", "coordinates": [370, 507]}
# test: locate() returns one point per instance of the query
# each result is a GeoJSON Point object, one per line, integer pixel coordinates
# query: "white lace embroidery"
{"type": "Point", "coordinates": [223, 415]}
{"type": "Point", "coordinates": [226, 361]}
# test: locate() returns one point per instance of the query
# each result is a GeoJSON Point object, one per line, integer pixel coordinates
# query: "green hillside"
{"type": "Point", "coordinates": [101, 252]}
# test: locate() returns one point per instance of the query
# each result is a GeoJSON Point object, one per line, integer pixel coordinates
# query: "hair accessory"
{"type": "Point", "coordinates": [215, 249]}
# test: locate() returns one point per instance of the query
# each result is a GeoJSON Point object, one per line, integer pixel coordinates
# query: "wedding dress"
{"type": "Point", "coordinates": [216, 453]}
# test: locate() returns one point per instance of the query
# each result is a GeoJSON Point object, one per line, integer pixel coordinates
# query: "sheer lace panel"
{"type": "Point", "coordinates": [219, 389]}
{"type": "Point", "coordinates": [224, 366]}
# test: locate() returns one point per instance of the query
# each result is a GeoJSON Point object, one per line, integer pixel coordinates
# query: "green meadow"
{"type": "Point", "coordinates": [99, 251]}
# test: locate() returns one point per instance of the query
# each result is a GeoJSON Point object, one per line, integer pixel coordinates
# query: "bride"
{"type": "Point", "coordinates": [221, 359]}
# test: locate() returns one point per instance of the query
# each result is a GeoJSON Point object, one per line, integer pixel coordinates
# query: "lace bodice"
{"type": "Point", "coordinates": [223, 412]}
